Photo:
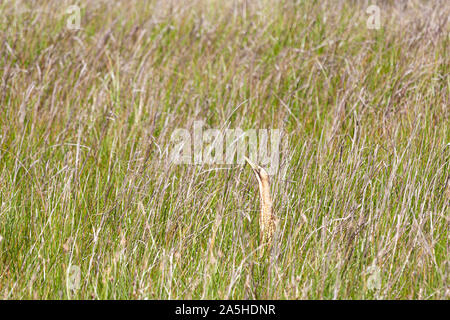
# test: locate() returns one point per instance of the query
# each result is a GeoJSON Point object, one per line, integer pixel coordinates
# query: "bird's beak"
{"type": "Point", "coordinates": [254, 166]}
{"type": "Point", "coordinates": [250, 163]}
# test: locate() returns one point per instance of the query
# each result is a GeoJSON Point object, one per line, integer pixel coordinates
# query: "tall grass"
{"type": "Point", "coordinates": [363, 188]}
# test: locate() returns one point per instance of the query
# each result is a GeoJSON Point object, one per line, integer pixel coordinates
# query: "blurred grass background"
{"type": "Point", "coordinates": [85, 126]}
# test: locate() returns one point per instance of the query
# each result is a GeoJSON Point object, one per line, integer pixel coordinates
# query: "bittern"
{"type": "Point", "coordinates": [267, 219]}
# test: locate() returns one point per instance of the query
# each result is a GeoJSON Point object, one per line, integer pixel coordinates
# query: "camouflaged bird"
{"type": "Point", "coordinates": [267, 219]}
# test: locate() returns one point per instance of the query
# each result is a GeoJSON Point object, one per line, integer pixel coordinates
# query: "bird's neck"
{"type": "Point", "coordinates": [266, 199]}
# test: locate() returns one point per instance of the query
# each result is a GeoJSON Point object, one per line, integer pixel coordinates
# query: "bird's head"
{"type": "Point", "coordinates": [260, 173]}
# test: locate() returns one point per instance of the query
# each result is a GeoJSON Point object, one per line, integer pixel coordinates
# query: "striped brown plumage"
{"type": "Point", "coordinates": [267, 218]}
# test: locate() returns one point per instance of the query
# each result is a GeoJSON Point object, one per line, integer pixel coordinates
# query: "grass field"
{"type": "Point", "coordinates": [87, 191]}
